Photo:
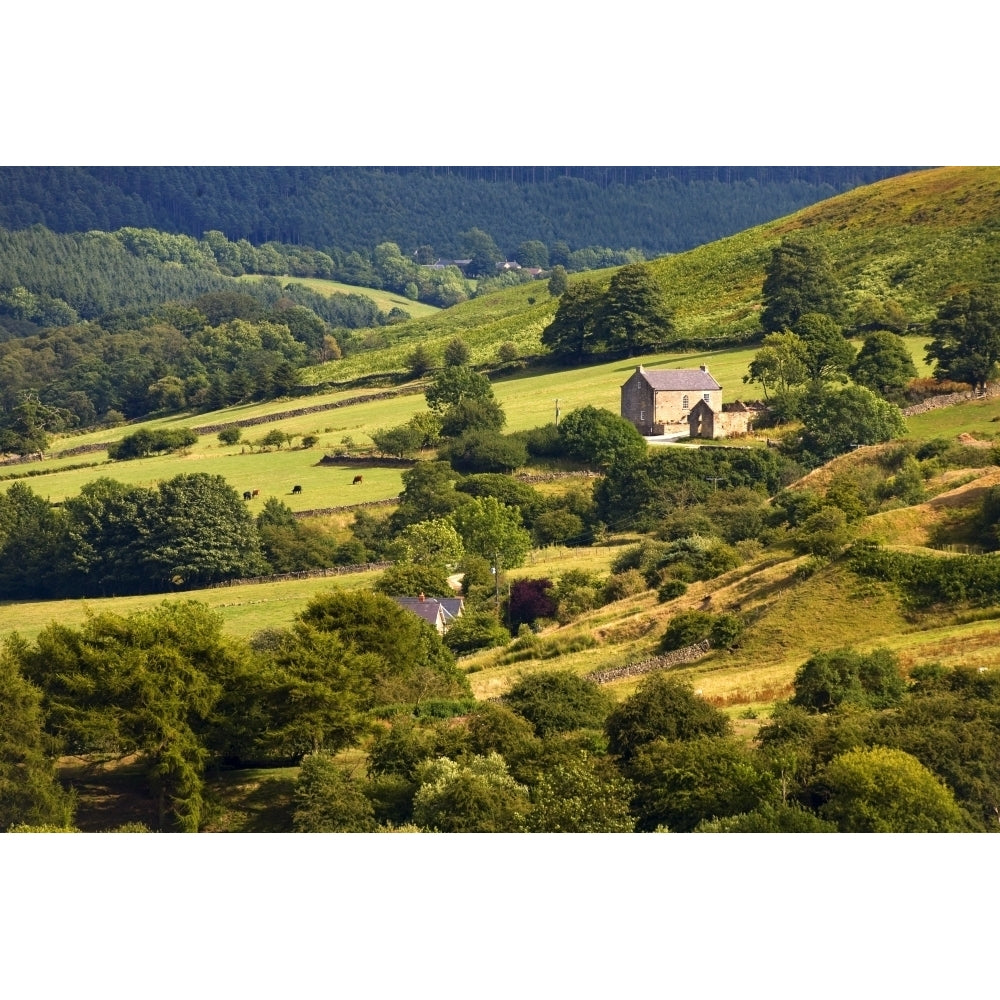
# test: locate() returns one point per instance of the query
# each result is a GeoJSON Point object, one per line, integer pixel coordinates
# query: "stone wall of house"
{"type": "Point", "coordinates": [637, 404]}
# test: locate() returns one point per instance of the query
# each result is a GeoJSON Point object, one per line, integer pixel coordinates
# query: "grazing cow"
{"type": "Point", "coordinates": [246, 494]}
{"type": "Point", "coordinates": [256, 493]}
{"type": "Point", "coordinates": [296, 488]}
{"type": "Point", "coordinates": [358, 479]}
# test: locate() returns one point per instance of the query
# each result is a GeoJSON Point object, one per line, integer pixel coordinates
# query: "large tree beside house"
{"type": "Point", "coordinates": [634, 315]}
{"type": "Point", "coordinates": [799, 279]}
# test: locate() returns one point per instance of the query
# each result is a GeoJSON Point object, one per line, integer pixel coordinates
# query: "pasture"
{"type": "Point", "coordinates": [386, 301]}
{"type": "Point", "coordinates": [245, 608]}
{"type": "Point", "coordinates": [274, 473]}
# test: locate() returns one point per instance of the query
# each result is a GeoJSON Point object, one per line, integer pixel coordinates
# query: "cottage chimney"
{"type": "Point", "coordinates": [704, 368]}
{"type": "Point", "coordinates": [421, 597]}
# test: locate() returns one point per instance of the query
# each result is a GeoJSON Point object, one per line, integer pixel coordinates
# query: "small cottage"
{"type": "Point", "coordinates": [437, 611]}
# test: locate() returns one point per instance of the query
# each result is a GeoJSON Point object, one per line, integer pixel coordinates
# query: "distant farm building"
{"type": "Point", "coordinates": [681, 401]}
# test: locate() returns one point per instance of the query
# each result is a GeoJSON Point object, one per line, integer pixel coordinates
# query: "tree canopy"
{"type": "Point", "coordinates": [965, 336]}
{"type": "Point", "coordinates": [799, 279]}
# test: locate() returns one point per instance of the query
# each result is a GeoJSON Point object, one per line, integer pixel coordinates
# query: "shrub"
{"type": "Point", "coordinates": [825, 533]}
{"type": "Point", "coordinates": [327, 800]}
{"type": "Point", "coordinates": [888, 791]}
{"type": "Point", "coordinates": [230, 435]}
{"type": "Point", "coordinates": [475, 630]}
{"type": "Point", "coordinates": [477, 795]}
{"type": "Point", "coordinates": [622, 585]}
{"type": "Point", "coordinates": [543, 442]}
{"type": "Point", "coordinates": [662, 707]}
{"type": "Point", "coordinates": [827, 680]}
{"type": "Point", "coordinates": [685, 629]}
{"type": "Point", "coordinates": [670, 590]}
{"type": "Point", "coordinates": [151, 442]}
{"type": "Point", "coordinates": [530, 600]}
{"type": "Point", "coordinates": [558, 701]}
{"type": "Point", "coordinates": [558, 527]}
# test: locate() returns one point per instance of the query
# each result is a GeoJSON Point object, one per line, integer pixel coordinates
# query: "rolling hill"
{"type": "Point", "coordinates": [913, 237]}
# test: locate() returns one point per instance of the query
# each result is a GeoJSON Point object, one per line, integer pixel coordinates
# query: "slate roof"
{"type": "Point", "coordinates": [437, 611]}
{"type": "Point", "coordinates": [681, 380]}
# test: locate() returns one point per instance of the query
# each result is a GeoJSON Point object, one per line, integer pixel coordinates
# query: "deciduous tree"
{"type": "Point", "coordinates": [888, 791]}
{"type": "Point", "coordinates": [601, 437]}
{"type": "Point", "coordinates": [799, 279]}
{"type": "Point", "coordinates": [883, 364]}
{"type": "Point", "coordinates": [556, 701]}
{"type": "Point", "coordinates": [835, 420]}
{"type": "Point", "coordinates": [965, 336]}
{"type": "Point", "coordinates": [662, 707]}
{"type": "Point", "coordinates": [573, 333]}
{"type": "Point", "coordinates": [634, 314]}
{"type": "Point", "coordinates": [29, 791]}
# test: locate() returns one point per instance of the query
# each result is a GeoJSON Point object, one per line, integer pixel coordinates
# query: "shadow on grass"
{"type": "Point", "coordinates": [258, 800]}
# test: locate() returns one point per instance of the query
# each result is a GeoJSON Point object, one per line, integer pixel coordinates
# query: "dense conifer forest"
{"type": "Point", "coordinates": [656, 209]}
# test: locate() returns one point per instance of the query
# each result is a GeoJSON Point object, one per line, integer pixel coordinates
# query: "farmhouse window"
{"type": "Point", "coordinates": [706, 396]}
{"type": "Point", "coordinates": [642, 415]}
{"type": "Point", "coordinates": [684, 402]}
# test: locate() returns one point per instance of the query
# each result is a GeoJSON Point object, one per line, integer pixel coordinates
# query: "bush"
{"type": "Point", "coordinates": [558, 527]}
{"type": "Point", "coordinates": [888, 791]}
{"type": "Point", "coordinates": [556, 701]}
{"type": "Point", "coordinates": [486, 451]}
{"type": "Point", "coordinates": [622, 585]}
{"type": "Point", "coordinates": [530, 600]}
{"type": "Point", "coordinates": [685, 629]}
{"type": "Point", "coordinates": [543, 442]}
{"type": "Point", "coordinates": [662, 707]}
{"type": "Point", "coordinates": [327, 800]}
{"type": "Point", "coordinates": [825, 533]}
{"type": "Point", "coordinates": [475, 630]}
{"type": "Point", "coordinates": [151, 442]}
{"type": "Point", "coordinates": [830, 679]}
{"type": "Point", "coordinates": [230, 435]}
{"type": "Point", "coordinates": [670, 590]}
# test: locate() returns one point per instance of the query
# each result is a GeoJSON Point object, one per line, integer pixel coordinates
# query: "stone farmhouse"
{"type": "Point", "coordinates": [681, 400]}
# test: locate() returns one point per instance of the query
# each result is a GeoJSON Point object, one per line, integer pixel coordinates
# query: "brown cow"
{"type": "Point", "coordinates": [358, 479]}
{"type": "Point", "coordinates": [256, 493]}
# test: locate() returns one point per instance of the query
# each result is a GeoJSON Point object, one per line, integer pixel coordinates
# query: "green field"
{"type": "Point", "coordinates": [386, 301]}
{"type": "Point", "coordinates": [245, 609]}
{"type": "Point", "coordinates": [715, 291]}
{"type": "Point", "coordinates": [529, 400]}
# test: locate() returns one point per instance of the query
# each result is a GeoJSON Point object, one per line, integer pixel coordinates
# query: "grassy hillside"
{"type": "Point", "coordinates": [383, 299]}
{"type": "Point", "coordinates": [912, 238]}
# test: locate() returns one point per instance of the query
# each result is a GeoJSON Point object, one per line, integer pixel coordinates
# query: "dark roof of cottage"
{"type": "Point", "coordinates": [429, 608]}
{"type": "Point", "coordinates": [452, 606]}
{"type": "Point", "coordinates": [433, 609]}
{"type": "Point", "coordinates": [680, 379]}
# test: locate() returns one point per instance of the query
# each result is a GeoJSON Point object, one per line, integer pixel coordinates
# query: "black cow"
{"type": "Point", "coordinates": [296, 488]}
{"type": "Point", "coordinates": [246, 494]}
{"type": "Point", "coordinates": [358, 479]}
